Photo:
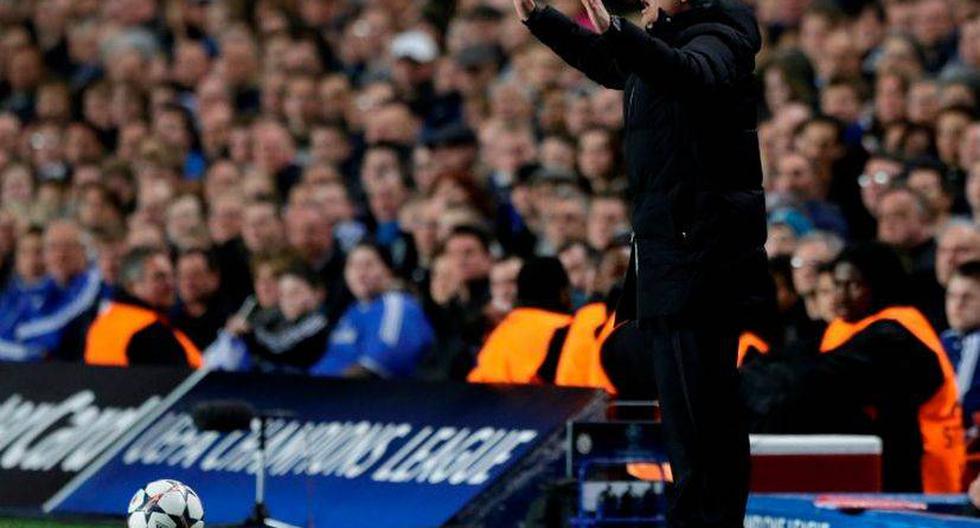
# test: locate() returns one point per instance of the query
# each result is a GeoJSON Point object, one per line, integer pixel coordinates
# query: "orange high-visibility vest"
{"type": "Point", "coordinates": [516, 349]}
{"type": "Point", "coordinates": [748, 341]}
{"type": "Point", "coordinates": [111, 332]}
{"type": "Point", "coordinates": [940, 421]}
{"type": "Point", "coordinates": [580, 364]}
{"type": "Point", "coordinates": [597, 373]}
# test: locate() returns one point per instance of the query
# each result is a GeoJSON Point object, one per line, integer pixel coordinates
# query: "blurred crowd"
{"type": "Point", "coordinates": [339, 187]}
{"type": "Point", "coordinates": [352, 187]}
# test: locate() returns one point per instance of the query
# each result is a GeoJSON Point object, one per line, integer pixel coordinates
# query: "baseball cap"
{"type": "Point", "coordinates": [478, 55]}
{"type": "Point", "coordinates": [451, 135]}
{"type": "Point", "coordinates": [414, 45]}
{"type": "Point", "coordinates": [796, 220]}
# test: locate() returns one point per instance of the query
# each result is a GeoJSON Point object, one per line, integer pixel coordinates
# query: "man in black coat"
{"type": "Point", "coordinates": [699, 267]}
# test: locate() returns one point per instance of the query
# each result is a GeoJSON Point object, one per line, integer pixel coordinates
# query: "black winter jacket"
{"type": "Point", "coordinates": [691, 148]}
{"type": "Point", "coordinates": [278, 344]}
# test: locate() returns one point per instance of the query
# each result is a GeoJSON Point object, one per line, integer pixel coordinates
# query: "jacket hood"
{"type": "Point", "coordinates": [730, 20]}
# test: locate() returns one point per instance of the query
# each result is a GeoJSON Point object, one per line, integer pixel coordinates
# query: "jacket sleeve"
{"type": "Point", "coordinates": [882, 363]}
{"type": "Point", "coordinates": [400, 341]}
{"type": "Point", "coordinates": [300, 344]}
{"type": "Point", "coordinates": [582, 49]}
{"type": "Point", "coordinates": [227, 352]}
{"type": "Point", "coordinates": [706, 63]}
{"type": "Point", "coordinates": [46, 328]}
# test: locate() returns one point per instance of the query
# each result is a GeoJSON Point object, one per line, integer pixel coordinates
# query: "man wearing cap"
{"type": "Point", "coordinates": [454, 148]}
{"type": "Point", "coordinates": [699, 266]}
{"type": "Point", "coordinates": [415, 53]}
{"type": "Point", "coordinates": [480, 64]}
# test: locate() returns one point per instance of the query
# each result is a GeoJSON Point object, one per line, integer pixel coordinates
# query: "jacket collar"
{"type": "Point", "coordinates": [122, 297]}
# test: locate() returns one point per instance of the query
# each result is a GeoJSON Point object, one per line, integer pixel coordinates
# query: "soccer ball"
{"type": "Point", "coordinates": [165, 504]}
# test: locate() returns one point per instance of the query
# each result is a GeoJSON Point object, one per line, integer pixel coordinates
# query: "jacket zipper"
{"type": "Point", "coordinates": [636, 254]}
{"type": "Point", "coordinates": [630, 105]}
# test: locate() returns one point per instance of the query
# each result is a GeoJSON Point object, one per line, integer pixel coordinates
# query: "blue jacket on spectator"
{"type": "Point", "coordinates": [964, 353]}
{"type": "Point", "coordinates": [826, 216]}
{"type": "Point", "coordinates": [55, 326]}
{"type": "Point", "coordinates": [17, 301]}
{"type": "Point", "coordinates": [387, 336]}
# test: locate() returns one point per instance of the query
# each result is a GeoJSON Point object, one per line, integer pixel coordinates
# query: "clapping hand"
{"type": "Point", "coordinates": [598, 14]}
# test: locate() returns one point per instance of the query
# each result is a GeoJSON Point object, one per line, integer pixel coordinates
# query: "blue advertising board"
{"type": "Point", "coordinates": [353, 454]}
{"type": "Point", "coordinates": [803, 511]}
{"type": "Point", "coordinates": [56, 419]}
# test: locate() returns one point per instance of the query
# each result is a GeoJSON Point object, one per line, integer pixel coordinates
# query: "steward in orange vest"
{"type": "Point", "coordinates": [881, 370]}
{"type": "Point", "coordinates": [131, 330]}
{"type": "Point", "coordinates": [750, 343]}
{"type": "Point", "coordinates": [526, 346]}
{"type": "Point", "coordinates": [943, 450]}
{"type": "Point", "coordinates": [580, 364]}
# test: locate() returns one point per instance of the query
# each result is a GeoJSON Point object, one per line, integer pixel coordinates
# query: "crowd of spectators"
{"type": "Point", "coordinates": [343, 187]}
{"type": "Point", "coordinates": [350, 187]}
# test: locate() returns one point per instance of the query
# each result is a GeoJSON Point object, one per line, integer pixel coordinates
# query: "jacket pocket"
{"type": "Point", "coordinates": [665, 278]}
{"type": "Point", "coordinates": [653, 219]}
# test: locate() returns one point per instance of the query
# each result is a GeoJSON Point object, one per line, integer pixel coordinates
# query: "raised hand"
{"type": "Point", "coordinates": [524, 8]}
{"type": "Point", "coordinates": [597, 14]}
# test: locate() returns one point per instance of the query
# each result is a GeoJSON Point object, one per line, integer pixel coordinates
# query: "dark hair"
{"type": "Point", "coordinates": [278, 261]}
{"type": "Point", "coordinates": [543, 283]}
{"type": "Point", "coordinates": [609, 195]}
{"type": "Point", "coordinates": [193, 138]}
{"type": "Point", "coordinates": [875, 7]}
{"type": "Point", "coordinates": [882, 272]}
{"type": "Point", "coordinates": [560, 136]}
{"type": "Point", "coordinates": [797, 71]}
{"type": "Point", "coordinates": [134, 263]}
{"type": "Point", "coordinates": [476, 196]}
{"type": "Point", "coordinates": [910, 130]}
{"type": "Point", "coordinates": [331, 124]}
{"type": "Point", "coordinates": [210, 259]}
{"type": "Point", "coordinates": [931, 165]}
{"type": "Point", "coordinates": [781, 266]}
{"type": "Point", "coordinates": [382, 252]}
{"type": "Point", "coordinates": [615, 147]}
{"type": "Point", "coordinates": [838, 125]}
{"type": "Point", "coordinates": [903, 79]}
{"type": "Point", "coordinates": [920, 55]}
{"type": "Point", "coordinates": [885, 155]}
{"type": "Point", "coordinates": [920, 201]}
{"type": "Point", "coordinates": [969, 270]}
{"type": "Point", "coordinates": [265, 200]}
{"type": "Point", "coordinates": [964, 110]}
{"type": "Point", "coordinates": [925, 163]}
{"type": "Point", "coordinates": [32, 230]}
{"type": "Point", "coordinates": [826, 9]}
{"type": "Point", "coordinates": [468, 230]}
{"type": "Point", "coordinates": [402, 156]}
{"type": "Point", "coordinates": [302, 272]}
{"type": "Point", "coordinates": [110, 197]}
{"type": "Point", "coordinates": [591, 255]}
{"type": "Point", "coordinates": [859, 87]}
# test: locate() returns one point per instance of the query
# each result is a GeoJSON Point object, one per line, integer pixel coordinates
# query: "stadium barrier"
{"type": "Point", "coordinates": [354, 453]}
{"type": "Point", "coordinates": [79, 440]}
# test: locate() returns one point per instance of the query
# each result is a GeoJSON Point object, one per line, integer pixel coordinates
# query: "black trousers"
{"type": "Point", "coordinates": [704, 431]}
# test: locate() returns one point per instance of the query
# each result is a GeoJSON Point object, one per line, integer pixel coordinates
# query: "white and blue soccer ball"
{"type": "Point", "coordinates": [165, 504]}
